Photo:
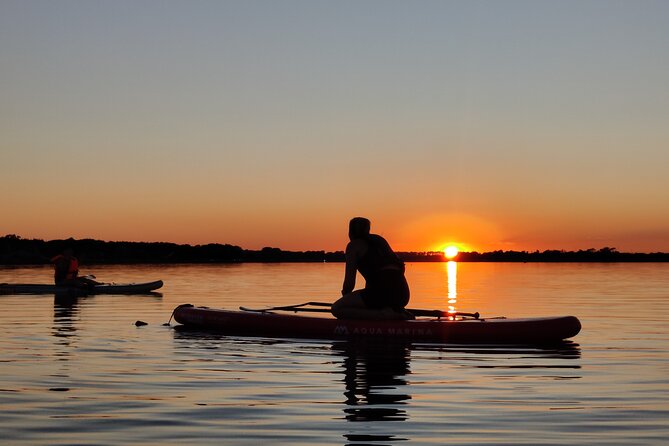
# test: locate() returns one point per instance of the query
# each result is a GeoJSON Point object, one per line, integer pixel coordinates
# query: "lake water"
{"type": "Point", "coordinates": [80, 372]}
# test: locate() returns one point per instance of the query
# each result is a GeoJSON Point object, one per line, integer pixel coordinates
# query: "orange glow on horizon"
{"type": "Point", "coordinates": [436, 232]}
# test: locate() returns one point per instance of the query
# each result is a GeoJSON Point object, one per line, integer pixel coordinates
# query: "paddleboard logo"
{"type": "Point", "coordinates": [341, 330]}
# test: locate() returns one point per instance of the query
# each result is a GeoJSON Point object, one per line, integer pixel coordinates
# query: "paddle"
{"type": "Point", "coordinates": [294, 308]}
{"type": "Point", "coordinates": [440, 313]}
{"type": "Point", "coordinates": [415, 311]}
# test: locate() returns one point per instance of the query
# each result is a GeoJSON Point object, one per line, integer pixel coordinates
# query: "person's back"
{"type": "Point", "coordinates": [378, 256]}
{"type": "Point", "coordinates": [66, 268]}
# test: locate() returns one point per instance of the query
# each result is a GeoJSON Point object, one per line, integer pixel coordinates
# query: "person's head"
{"type": "Point", "coordinates": [358, 227]}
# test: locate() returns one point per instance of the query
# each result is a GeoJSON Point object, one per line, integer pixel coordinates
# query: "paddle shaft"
{"type": "Point", "coordinates": [441, 313]}
{"type": "Point", "coordinates": [415, 311]}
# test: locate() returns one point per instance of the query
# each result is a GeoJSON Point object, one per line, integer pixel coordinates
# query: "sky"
{"type": "Point", "coordinates": [512, 125]}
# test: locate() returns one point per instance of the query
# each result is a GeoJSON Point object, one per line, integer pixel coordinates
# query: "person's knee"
{"type": "Point", "coordinates": [336, 308]}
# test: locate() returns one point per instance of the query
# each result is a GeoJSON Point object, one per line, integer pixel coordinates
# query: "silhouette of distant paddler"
{"type": "Point", "coordinates": [66, 271]}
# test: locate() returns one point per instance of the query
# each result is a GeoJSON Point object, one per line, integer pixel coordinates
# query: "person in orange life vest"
{"type": "Point", "coordinates": [386, 291]}
{"type": "Point", "coordinates": [66, 270]}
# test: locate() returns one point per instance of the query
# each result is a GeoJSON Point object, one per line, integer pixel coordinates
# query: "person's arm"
{"type": "Point", "coordinates": [351, 269]}
{"type": "Point", "coordinates": [60, 264]}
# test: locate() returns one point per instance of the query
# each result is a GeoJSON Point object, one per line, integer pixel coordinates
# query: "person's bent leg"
{"type": "Point", "coordinates": [351, 306]}
{"type": "Point", "coordinates": [348, 305]}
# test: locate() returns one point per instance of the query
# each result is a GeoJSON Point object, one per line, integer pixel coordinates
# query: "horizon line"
{"type": "Point", "coordinates": [603, 250]}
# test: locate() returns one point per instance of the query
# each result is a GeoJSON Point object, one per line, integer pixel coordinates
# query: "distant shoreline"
{"type": "Point", "coordinates": [15, 250]}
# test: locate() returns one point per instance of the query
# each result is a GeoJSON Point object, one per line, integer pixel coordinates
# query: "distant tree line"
{"type": "Point", "coordinates": [15, 250]}
{"type": "Point", "coordinates": [588, 255]}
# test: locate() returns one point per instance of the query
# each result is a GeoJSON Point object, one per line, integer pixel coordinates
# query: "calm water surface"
{"type": "Point", "coordinates": [78, 371]}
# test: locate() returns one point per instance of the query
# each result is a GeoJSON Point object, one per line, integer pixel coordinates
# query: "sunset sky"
{"type": "Point", "coordinates": [492, 125]}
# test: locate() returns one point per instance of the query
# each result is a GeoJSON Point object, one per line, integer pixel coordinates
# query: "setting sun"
{"type": "Point", "coordinates": [451, 251]}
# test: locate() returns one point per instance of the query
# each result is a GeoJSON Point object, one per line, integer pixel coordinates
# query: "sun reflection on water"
{"type": "Point", "coordinates": [452, 279]}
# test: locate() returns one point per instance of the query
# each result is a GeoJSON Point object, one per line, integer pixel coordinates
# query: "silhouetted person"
{"type": "Point", "coordinates": [66, 271]}
{"type": "Point", "coordinates": [386, 291]}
